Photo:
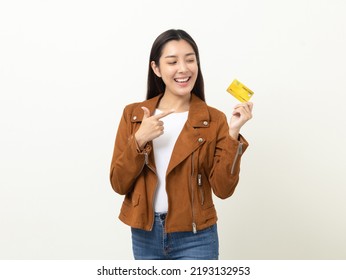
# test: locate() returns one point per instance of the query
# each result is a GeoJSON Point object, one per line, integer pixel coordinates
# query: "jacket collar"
{"type": "Point", "coordinates": [198, 113]}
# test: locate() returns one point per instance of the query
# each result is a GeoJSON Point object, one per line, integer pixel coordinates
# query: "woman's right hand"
{"type": "Point", "coordinates": [151, 127]}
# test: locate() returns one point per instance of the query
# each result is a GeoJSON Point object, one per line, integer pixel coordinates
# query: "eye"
{"type": "Point", "coordinates": [190, 60]}
{"type": "Point", "coordinates": [172, 62]}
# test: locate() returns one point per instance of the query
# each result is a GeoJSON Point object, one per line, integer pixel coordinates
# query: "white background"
{"type": "Point", "coordinates": [67, 69]}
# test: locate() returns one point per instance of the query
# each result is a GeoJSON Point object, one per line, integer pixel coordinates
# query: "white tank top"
{"type": "Point", "coordinates": [163, 147]}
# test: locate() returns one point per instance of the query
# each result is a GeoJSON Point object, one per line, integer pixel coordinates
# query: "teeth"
{"type": "Point", "coordinates": [182, 80]}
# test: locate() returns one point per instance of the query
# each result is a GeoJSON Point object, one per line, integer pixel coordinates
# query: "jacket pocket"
{"type": "Point", "coordinates": [209, 213]}
{"type": "Point", "coordinates": [132, 200]}
{"type": "Point", "coordinates": [203, 190]}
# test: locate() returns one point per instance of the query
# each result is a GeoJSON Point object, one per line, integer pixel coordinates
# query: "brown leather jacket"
{"type": "Point", "coordinates": [205, 159]}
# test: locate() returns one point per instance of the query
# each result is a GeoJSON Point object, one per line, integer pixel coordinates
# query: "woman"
{"type": "Point", "coordinates": [171, 152]}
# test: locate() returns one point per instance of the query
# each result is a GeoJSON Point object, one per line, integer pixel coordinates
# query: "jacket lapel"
{"type": "Point", "coordinates": [190, 138]}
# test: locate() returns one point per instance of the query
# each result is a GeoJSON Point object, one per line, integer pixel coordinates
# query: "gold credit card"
{"type": "Point", "coordinates": [240, 91]}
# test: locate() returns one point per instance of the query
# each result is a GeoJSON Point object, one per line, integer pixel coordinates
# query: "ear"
{"type": "Point", "coordinates": [155, 68]}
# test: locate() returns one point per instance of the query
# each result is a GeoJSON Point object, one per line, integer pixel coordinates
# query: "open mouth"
{"type": "Point", "coordinates": [182, 80]}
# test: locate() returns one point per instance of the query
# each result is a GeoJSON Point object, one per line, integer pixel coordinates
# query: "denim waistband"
{"type": "Point", "coordinates": [161, 215]}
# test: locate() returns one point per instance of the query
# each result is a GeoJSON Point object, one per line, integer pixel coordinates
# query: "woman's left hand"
{"type": "Point", "coordinates": [241, 114]}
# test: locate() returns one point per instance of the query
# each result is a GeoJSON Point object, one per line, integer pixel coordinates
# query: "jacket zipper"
{"type": "Point", "coordinates": [194, 226]}
{"type": "Point", "coordinates": [146, 158]}
{"type": "Point", "coordinates": [199, 183]}
{"type": "Point", "coordinates": [153, 200]}
{"type": "Point", "coordinates": [238, 153]}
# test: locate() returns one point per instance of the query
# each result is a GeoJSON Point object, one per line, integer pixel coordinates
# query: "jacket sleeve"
{"type": "Point", "coordinates": [127, 161]}
{"type": "Point", "coordinates": [224, 175]}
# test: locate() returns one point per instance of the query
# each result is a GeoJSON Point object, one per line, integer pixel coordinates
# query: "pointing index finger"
{"type": "Point", "coordinates": [163, 114]}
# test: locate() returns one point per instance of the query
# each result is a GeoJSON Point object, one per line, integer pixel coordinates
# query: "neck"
{"type": "Point", "coordinates": [176, 103]}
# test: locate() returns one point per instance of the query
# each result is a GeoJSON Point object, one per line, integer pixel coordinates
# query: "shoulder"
{"type": "Point", "coordinates": [215, 112]}
{"type": "Point", "coordinates": [130, 107]}
{"type": "Point", "coordinates": [202, 105]}
{"type": "Point", "coordinates": [201, 113]}
{"type": "Point", "coordinates": [135, 109]}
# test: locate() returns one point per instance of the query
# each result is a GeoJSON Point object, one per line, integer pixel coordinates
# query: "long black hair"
{"type": "Point", "coordinates": [155, 84]}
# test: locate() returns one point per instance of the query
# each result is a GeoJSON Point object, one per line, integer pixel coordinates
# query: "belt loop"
{"type": "Point", "coordinates": [162, 216]}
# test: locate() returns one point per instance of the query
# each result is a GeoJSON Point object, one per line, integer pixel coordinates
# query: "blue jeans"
{"type": "Point", "coordinates": [158, 245]}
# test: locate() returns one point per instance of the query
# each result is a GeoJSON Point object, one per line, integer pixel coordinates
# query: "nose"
{"type": "Point", "coordinates": [182, 67]}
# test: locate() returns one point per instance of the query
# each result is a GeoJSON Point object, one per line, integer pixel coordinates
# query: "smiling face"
{"type": "Point", "coordinates": [177, 67]}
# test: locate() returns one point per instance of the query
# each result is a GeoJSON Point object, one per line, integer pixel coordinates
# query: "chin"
{"type": "Point", "coordinates": [183, 93]}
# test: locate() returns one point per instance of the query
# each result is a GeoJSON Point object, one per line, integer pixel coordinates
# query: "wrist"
{"type": "Point", "coordinates": [234, 133]}
{"type": "Point", "coordinates": [140, 143]}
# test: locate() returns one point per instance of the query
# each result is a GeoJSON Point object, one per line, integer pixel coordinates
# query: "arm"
{"type": "Point", "coordinates": [241, 114]}
{"type": "Point", "coordinates": [127, 162]}
{"type": "Point", "coordinates": [224, 175]}
{"type": "Point", "coordinates": [131, 148]}
{"type": "Point", "coordinates": [230, 146]}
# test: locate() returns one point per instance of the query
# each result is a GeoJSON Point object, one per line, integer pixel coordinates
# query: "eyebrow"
{"type": "Point", "coordinates": [173, 56]}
